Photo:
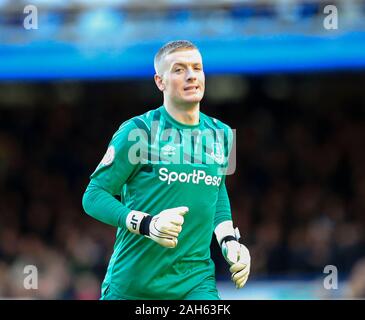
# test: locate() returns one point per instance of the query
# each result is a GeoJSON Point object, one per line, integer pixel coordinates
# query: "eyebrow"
{"type": "Point", "coordinates": [185, 64]}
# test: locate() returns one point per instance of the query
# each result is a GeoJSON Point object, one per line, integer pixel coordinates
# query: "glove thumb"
{"type": "Point", "coordinates": [182, 210]}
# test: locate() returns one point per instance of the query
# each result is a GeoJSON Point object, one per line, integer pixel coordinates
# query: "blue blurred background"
{"type": "Point", "coordinates": [116, 39]}
{"type": "Point", "coordinates": [292, 89]}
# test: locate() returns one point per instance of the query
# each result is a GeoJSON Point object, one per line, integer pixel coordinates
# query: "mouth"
{"type": "Point", "coordinates": [191, 88]}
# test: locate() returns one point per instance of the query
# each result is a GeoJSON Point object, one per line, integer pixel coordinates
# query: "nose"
{"type": "Point", "coordinates": [190, 75]}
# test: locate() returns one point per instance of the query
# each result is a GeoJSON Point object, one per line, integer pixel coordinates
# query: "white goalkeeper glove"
{"type": "Point", "coordinates": [163, 228]}
{"type": "Point", "coordinates": [235, 253]}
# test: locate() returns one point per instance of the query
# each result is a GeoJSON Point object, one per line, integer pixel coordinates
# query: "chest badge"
{"type": "Point", "coordinates": [217, 153]}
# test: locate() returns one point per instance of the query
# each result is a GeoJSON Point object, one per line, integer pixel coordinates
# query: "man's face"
{"type": "Point", "coordinates": [183, 79]}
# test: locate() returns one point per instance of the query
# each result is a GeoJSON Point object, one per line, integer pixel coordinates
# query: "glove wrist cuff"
{"type": "Point", "coordinates": [137, 219]}
{"type": "Point", "coordinates": [144, 227]}
{"type": "Point", "coordinates": [223, 230]}
{"type": "Point", "coordinates": [226, 239]}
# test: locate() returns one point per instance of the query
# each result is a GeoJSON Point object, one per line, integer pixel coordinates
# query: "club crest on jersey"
{"type": "Point", "coordinates": [108, 157]}
{"type": "Point", "coordinates": [217, 153]}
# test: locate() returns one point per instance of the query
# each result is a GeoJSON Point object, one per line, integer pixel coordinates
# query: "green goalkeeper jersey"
{"type": "Point", "coordinates": [154, 162]}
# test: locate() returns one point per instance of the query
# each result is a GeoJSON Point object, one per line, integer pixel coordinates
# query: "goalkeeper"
{"type": "Point", "coordinates": [168, 166]}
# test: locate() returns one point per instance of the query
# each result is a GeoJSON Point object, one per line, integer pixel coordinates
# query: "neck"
{"type": "Point", "coordinates": [186, 114]}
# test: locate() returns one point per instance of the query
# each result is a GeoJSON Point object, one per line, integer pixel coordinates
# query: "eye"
{"type": "Point", "coordinates": [178, 70]}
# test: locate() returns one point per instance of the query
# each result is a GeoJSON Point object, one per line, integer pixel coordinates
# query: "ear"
{"type": "Point", "coordinates": [159, 82]}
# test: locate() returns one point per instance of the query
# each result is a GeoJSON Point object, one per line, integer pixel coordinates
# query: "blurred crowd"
{"type": "Point", "coordinates": [298, 193]}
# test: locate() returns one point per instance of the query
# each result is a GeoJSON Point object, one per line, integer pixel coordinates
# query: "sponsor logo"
{"type": "Point", "coordinates": [196, 177]}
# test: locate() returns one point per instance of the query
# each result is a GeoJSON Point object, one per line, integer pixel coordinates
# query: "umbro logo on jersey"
{"type": "Point", "coordinates": [168, 150]}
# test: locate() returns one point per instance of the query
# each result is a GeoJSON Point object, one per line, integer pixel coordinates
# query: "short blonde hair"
{"type": "Point", "coordinates": [170, 47]}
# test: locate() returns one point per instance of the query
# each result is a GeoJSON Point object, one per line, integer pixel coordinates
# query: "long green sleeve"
{"type": "Point", "coordinates": [223, 208]}
{"type": "Point", "coordinates": [102, 206]}
{"type": "Point", "coordinates": [108, 179]}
